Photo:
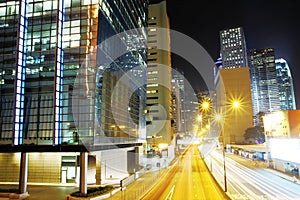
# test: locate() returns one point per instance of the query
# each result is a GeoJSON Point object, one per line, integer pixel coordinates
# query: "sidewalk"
{"type": "Point", "coordinates": [138, 188]}
{"type": "Point", "coordinates": [142, 185]}
{"type": "Point", "coordinates": [283, 175]}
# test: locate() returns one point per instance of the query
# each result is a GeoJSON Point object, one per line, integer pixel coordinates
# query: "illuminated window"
{"type": "Point", "coordinates": [153, 72]}
{"type": "Point", "coordinates": [152, 91]}
{"type": "Point", "coordinates": [152, 85]}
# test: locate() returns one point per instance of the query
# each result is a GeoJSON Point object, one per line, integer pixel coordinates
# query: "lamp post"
{"type": "Point", "coordinates": [234, 105]}
{"type": "Point", "coordinates": [219, 119]}
{"type": "Point", "coordinates": [224, 161]}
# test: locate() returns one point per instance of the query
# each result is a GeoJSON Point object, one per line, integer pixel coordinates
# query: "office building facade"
{"type": "Point", "coordinates": [233, 48]}
{"type": "Point", "coordinates": [57, 86]}
{"type": "Point", "coordinates": [264, 85]}
{"type": "Point", "coordinates": [285, 85]}
{"type": "Point", "coordinates": [159, 88]}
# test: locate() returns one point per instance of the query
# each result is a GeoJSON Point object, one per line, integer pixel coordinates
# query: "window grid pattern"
{"type": "Point", "coordinates": [41, 47]}
{"type": "Point", "coordinates": [9, 17]}
{"type": "Point", "coordinates": [20, 76]}
{"type": "Point", "coordinates": [79, 40]}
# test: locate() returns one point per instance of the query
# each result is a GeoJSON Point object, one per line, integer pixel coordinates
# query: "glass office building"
{"type": "Point", "coordinates": [264, 86]}
{"type": "Point", "coordinates": [285, 85]}
{"type": "Point", "coordinates": [55, 86]}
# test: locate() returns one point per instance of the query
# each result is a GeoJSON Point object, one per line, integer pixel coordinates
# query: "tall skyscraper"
{"type": "Point", "coordinates": [176, 106]}
{"type": "Point", "coordinates": [264, 86]}
{"type": "Point", "coordinates": [159, 96]}
{"type": "Point", "coordinates": [233, 48]}
{"type": "Point", "coordinates": [189, 102]}
{"type": "Point", "coordinates": [178, 86]}
{"type": "Point", "coordinates": [285, 85]}
{"type": "Point", "coordinates": [56, 90]}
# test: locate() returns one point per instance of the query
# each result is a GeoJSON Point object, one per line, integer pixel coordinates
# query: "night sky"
{"type": "Point", "coordinates": [266, 23]}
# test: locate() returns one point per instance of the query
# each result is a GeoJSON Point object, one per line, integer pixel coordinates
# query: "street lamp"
{"type": "Point", "coordinates": [205, 105]}
{"type": "Point", "coordinates": [235, 104]}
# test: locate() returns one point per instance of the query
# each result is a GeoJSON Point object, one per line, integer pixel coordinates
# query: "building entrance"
{"type": "Point", "coordinates": [68, 169]}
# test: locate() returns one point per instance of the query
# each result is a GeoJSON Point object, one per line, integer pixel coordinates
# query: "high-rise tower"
{"type": "Point", "coordinates": [285, 85]}
{"type": "Point", "coordinates": [264, 87]}
{"type": "Point", "coordinates": [159, 97]}
{"type": "Point", "coordinates": [233, 48]}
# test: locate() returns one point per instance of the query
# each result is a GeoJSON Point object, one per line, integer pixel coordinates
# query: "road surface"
{"type": "Point", "coordinates": [190, 179]}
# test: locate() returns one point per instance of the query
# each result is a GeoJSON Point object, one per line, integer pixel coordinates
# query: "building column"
{"type": "Point", "coordinates": [23, 172]}
{"type": "Point", "coordinates": [137, 159]}
{"type": "Point", "coordinates": [83, 172]}
{"type": "Point", "coordinates": [98, 170]}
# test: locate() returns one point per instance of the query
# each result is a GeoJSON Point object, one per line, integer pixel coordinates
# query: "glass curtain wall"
{"type": "Point", "coordinates": [9, 20]}
{"type": "Point", "coordinates": [119, 119]}
{"type": "Point", "coordinates": [45, 46]}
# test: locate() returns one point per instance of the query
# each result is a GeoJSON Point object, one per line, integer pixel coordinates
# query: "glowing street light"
{"type": "Point", "coordinates": [205, 105]}
{"type": "Point", "coordinates": [218, 117]}
{"type": "Point", "coordinates": [236, 104]}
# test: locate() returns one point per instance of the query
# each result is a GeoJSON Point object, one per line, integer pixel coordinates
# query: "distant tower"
{"type": "Point", "coordinates": [176, 106]}
{"type": "Point", "coordinates": [233, 48]}
{"type": "Point", "coordinates": [178, 79]}
{"type": "Point", "coordinates": [218, 65]}
{"type": "Point", "coordinates": [285, 85]}
{"type": "Point", "coordinates": [264, 87]}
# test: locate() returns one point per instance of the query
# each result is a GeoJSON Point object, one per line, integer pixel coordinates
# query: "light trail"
{"type": "Point", "coordinates": [245, 183]}
{"type": "Point", "coordinates": [169, 197]}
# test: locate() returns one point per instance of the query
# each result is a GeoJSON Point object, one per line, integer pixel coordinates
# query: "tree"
{"type": "Point", "coordinates": [259, 117]}
{"type": "Point", "coordinates": [256, 133]}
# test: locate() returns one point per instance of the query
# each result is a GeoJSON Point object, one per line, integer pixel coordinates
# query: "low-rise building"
{"type": "Point", "coordinates": [284, 123]}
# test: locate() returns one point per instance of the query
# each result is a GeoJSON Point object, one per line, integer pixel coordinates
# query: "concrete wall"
{"type": "Point", "coordinates": [114, 164]}
{"type": "Point", "coordinates": [234, 85]}
{"type": "Point", "coordinates": [294, 123]}
{"type": "Point", "coordinates": [91, 176]}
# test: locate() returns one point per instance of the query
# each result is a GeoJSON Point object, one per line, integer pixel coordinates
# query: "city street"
{"type": "Point", "coordinates": [190, 180]}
